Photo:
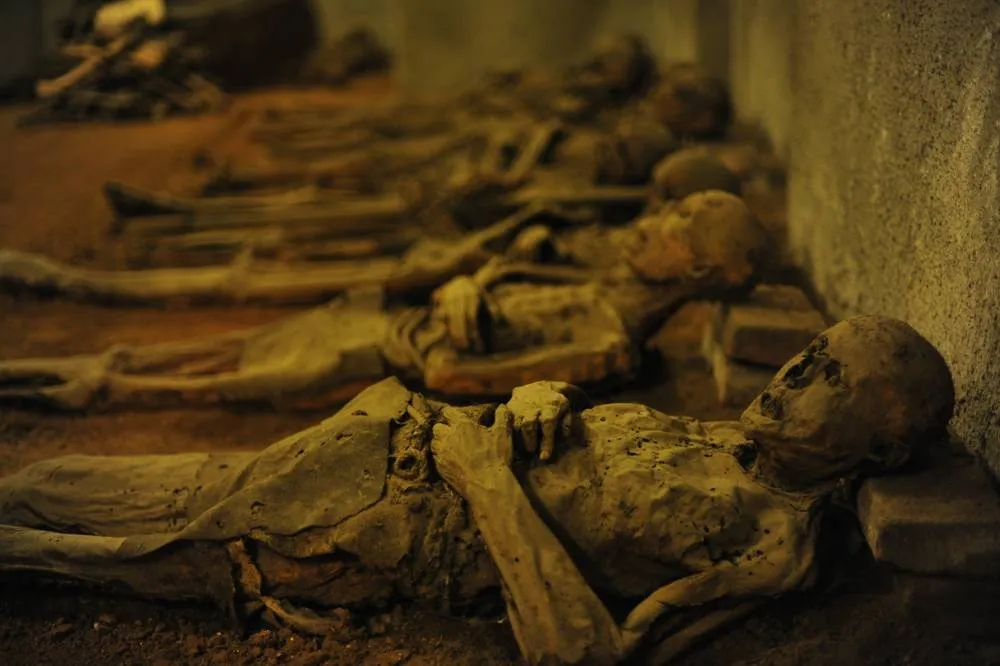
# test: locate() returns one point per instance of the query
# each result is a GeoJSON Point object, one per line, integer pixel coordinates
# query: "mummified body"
{"type": "Point", "coordinates": [511, 323]}
{"type": "Point", "coordinates": [632, 504]}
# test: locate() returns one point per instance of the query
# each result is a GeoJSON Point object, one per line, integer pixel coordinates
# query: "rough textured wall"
{"type": "Point", "coordinates": [760, 65]}
{"type": "Point", "coordinates": [337, 17]}
{"type": "Point", "coordinates": [892, 130]}
{"type": "Point", "coordinates": [445, 44]}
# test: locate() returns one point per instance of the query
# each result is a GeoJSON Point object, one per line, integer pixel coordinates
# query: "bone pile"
{"type": "Point", "coordinates": [746, 343]}
{"type": "Point", "coordinates": [141, 73]}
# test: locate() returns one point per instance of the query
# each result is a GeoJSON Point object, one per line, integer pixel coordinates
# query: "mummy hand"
{"type": "Point", "coordinates": [461, 306]}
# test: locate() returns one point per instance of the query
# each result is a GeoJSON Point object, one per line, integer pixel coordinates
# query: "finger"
{"type": "Point", "coordinates": [469, 321]}
{"type": "Point", "coordinates": [529, 433]}
{"type": "Point", "coordinates": [439, 431]}
{"type": "Point", "coordinates": [551, 418]}
{"type": "Point", "coordinates": [456, 328]}
{"type": "Point", "coordinates": [475, 340]}
{"type": "Point", "coordinates": [502, 420]}
{"type": "Point", "coordinates": [519, 428]}
{"type": "Point", "coordinates": [452, 413]}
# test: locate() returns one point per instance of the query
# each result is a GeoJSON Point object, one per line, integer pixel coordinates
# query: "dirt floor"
{"type": "Point", "coordinates": [51, 202]}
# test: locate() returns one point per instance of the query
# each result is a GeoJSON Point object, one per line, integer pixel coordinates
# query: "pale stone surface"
{"type": "Point", "coordinates": [779, 297]}
{"type": "Point", "coordinates": [736, 383]}
{"type": "Point", "coordinates": [944, 520]}
{"type": "Point", "coordinates": [890, 120]}
{"type": "Point", "coordinates": [770, 327]}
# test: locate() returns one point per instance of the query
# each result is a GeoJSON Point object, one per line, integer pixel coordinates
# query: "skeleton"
{"type": "Point", "coordinates": [629, 154]}
{"type": "Point", "coordinates": [563, 506]}
{"type": "Point", "coordinates": [367, 169]}
{"type": "Point", "coordinates": [406, 264]}
{"type": "Point", "coordinates": [691, 170]}
{"type": "Point", "coordinates": [422, 265]}
{"type": "Point", "coordinates": [692, 103]}
{"type": "Point", "coordinates": [494, 182]}
{"type": "Point", "coordinates": [509, 323]}
{"type": "Point", "coordinates": [618, 71]}
{"type": "Point", "coordinates": [357, 52]}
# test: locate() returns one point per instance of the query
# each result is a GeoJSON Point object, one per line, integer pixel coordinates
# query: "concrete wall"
{"type": "Point", "coordinates": [760, 65]}
{"type": "Point", "coordinates": [337, 17]}
{"type": "Point", "coordinates": [443, 45]}
{"type": "Point", "coordinates": [889, 114]}
{"type": "Point", "coordinates": [447, 43]}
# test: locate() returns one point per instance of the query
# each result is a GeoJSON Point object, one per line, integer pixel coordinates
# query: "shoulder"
{"type": "Point", "coordinates": [383, 401]}
{"type": "Point", "coordinates": [726, 434]}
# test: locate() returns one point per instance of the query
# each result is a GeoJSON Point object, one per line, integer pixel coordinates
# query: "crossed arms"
{"type": "Point", "coordinates": [555, 615]}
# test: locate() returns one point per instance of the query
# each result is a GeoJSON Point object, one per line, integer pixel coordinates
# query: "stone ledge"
{"type": "Point", "coordinates": [736, 384]}
{"type": "Point", "coordinates": [943, 520]}
{"type": "Point", "coordinates": [775, 323]}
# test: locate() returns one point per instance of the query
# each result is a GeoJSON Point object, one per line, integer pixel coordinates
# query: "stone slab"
{"type": "Point", "coordinates": [736, 383]}
{"type": "Point", "coordinates": [779, 297]}
{"type": "Point", "coordinates": [775, 323]}
{"type": "Point", "coordinates": [943, 520]}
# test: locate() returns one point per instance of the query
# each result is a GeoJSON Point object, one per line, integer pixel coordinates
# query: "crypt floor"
{"type": "Point", "coordinates": [51, 202]}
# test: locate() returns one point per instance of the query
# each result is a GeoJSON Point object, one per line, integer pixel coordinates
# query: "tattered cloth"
{"type": "Point", "coordinates": [316, 478]}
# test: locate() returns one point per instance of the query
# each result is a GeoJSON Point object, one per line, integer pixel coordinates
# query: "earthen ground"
{"type": "Point", "coordinates": [51, 202]}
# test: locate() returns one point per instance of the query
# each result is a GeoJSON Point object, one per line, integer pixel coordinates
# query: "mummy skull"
{"type": "Point", "coordinates": [863, 397]}
{"type": "Point", "coordinates": [692, 103]}
{"type": "Point", "coordinates": [629, 154]}
{"type": "Point", "coordinates": [710, 236]}
{"type": "Point", "coordinates": [692, 170]}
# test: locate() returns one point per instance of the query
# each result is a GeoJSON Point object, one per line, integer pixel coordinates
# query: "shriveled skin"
{"type": "Point", "coordinates": [348, 513]}
{"type": "Point", "coordinates": [565, 332]}
{"type": "Point", "coordinates": [511, 323]}
{"type": "Point", "coordinates": [649, 498]}
{"type": "Point", "coordinates": [323, 355]}
{"type": "Point", "coordinates": [644, 502]}
{"type": "Point", "coordinates": [320, 357]}
{"type": "Point", "coordinates": [582, 321]}
{"type": "Point", "coordinates": [636, 506]}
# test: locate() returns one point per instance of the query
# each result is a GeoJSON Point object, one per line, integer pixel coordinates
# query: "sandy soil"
{"type": "Point", "coordinates": [50, 201]}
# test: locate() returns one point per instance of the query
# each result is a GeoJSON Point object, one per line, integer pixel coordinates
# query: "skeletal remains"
{"type": "Point", "coordinates": [493, 185]}
{"type": "Point", "coordinates": [566, 508]}
{"type": "Point", "coordinates": [140, 73]}
{"type": "Point", "coordinates": [511, 322]}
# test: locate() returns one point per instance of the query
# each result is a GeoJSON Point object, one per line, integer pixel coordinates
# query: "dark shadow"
{"type": "Point", "coordinates": [252, 43]}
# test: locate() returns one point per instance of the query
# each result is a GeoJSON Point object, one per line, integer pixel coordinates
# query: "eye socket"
{"type": "Point", "coordinates": [832, 372]}
{"type": "Point", "coordinates": [771, 407]}
{"type": "Point", "coordinates": [818, 345]}
{"type": "Point", "coordinates": [795, 376]}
